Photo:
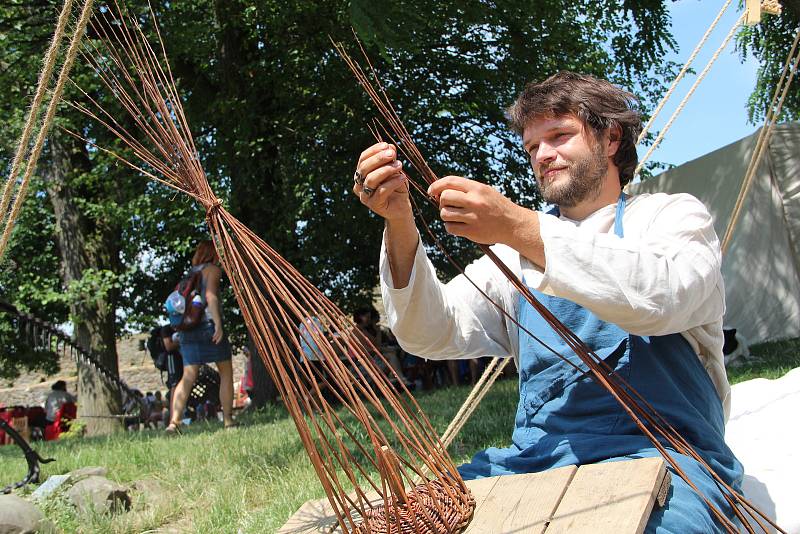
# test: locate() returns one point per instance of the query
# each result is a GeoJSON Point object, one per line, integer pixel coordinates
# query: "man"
{"type": "Point", "coordinates": [57, 397]}
{"type": "Point", "coordinates": [637, 278]}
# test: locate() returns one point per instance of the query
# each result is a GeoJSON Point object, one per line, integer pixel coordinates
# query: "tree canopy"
{"type": "Point", "coordinates": [280, 122]}
{"type": "Point", "coordinates": [770, 42]}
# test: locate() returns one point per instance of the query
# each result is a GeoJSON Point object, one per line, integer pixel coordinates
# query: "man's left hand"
{"type": "Point", "coordinates": [479, 212]}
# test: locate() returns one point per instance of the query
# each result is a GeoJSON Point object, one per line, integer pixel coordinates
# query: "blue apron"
{"type": "Point", "coordinates": [565, 418]}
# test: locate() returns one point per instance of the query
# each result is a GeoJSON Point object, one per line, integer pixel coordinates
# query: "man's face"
{"type": "Point", "coordinates": [569, 164]}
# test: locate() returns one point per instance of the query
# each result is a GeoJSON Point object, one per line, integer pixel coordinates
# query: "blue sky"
{"type": "Point", "coordinates": [715, 115]}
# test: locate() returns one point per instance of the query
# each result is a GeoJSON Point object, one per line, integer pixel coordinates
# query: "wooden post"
{"type": "Point", "coordinates": [753, 12]}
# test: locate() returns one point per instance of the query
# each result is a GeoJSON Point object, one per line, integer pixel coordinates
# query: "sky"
{"type": "Point", "coordinates": [715, 115]}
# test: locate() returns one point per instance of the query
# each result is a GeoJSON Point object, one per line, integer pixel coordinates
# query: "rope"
{"type": "Point", "coordinates": [46, 122]}
{"type": "Point", "coordinates": [33, 114]}
{"type": "Point", "coordinates": [476, 395]}
{"type": "Point", "coordinates": [771, 118]}
{"type": "Point", "coordinates": [689, 94]}
{"type": "Point", "coordinates": [683, 71]}
{"type": "Point", "coordinates": [492, 372]}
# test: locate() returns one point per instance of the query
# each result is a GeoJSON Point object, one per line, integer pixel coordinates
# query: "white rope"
{"type": "Point", "coordinates": [773, 113]}
{"type": "Point", "coordinates": [683, 71]}
{"type": "Point", "coordinates": [46, 122]}
{"type": "Point", "coordinates": [492, 372]}
{"type": "Point", "coordinates": [476, 395]}
{"type": "Point", "coordinates": [689, 94]}
{"type": "Point", "coordinates": [33, 113]}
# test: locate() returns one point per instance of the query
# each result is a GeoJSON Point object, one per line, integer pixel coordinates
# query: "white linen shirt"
{"type": "Point", "coordinates": [663, 277]}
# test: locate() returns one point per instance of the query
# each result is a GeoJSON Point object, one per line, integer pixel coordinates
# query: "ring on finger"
{"type": "Point", "coordinates": [358, 179]}
{"type": "Point", "coordinates": [367, 190]}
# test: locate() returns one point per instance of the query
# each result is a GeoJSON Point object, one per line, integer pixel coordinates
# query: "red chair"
{"type": "Point", "coordinates": [64, 415]}
{"type": "Point", "coordinates": [5, 415]}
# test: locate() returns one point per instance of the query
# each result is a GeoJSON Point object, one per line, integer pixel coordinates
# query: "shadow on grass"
{"type": "Point", "coordinates": [772, 359]}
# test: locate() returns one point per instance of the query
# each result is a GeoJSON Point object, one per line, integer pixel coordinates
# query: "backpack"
{"type": "Point", "coordinates": [186, 304]}
{"type": "Point", "coordinates": [155, 346]}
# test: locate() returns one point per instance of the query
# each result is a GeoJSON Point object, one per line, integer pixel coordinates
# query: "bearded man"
{"type": "Point", "coordinates": [636, 277]}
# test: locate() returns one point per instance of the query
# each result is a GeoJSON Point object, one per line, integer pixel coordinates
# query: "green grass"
{"type": "Point", "coordinates": [250, 479]}
{"type": "Point", "coordinates": [253, 478]}
{"type": "Point", "coordinates": [772, 360]}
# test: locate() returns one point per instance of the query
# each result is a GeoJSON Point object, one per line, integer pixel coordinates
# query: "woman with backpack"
{"type": "Point", "coordinates": [205, 342]}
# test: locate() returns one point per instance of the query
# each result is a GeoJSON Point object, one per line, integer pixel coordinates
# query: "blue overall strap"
{"type": "Point", "coordinates": [623, 199]}
{"type": "Point", "coordinates": [618, 216]}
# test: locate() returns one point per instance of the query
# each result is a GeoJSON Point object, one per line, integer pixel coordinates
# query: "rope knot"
{"type": "Point", "coordinates": [215, 204]}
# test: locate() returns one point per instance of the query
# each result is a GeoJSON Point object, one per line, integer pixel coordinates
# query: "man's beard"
{"type": "Point", "coordinates": [584, 183]}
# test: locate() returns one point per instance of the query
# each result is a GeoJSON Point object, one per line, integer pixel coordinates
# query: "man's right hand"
{"type": "Point", "coordinates": [384, 190]}
{"type": "Point", "coordinates": [383, 187]}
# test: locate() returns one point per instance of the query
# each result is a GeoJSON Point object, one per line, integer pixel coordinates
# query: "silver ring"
{"type": "Point", "coordinates": [368, 190]}
{"type": "Point", "coordinates": [358, 179]}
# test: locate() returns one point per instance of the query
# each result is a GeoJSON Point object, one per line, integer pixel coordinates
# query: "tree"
{"type": "Point", "coordinates": [288, 120]}
{"type": "Point", "coordinates": [770, 42]}
{"type": "Point", "coordinates": [279, 123]}
{"type": "Point", "coordinates": [83, 201]}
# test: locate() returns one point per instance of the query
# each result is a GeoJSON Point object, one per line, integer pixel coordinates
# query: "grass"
{"type": "Point", "coordinates": [250, 479]}
{"type": "Point", "coordinates": [772, 360]}
{"type": "Point", "coordinates": [253, 478]}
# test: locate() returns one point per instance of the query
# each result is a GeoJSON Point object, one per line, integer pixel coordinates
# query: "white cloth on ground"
{"type": "Point", "coordinates": [663, 277]}
{"type": "Point", "coordinates": [761, 433]}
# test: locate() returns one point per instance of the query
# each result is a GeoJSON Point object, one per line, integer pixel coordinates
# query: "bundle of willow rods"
{"type": "Point", "coordinates": [646, 418]}
{"type": "Point", "coordinates": [361, 434]}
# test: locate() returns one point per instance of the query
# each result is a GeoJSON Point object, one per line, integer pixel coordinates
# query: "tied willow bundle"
{"type": "Point", "coordinates": [363, 435]}
{"type": "Point", "coordinates": [657, 429]}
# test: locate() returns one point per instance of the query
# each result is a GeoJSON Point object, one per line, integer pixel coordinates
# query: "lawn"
{"type": "Point", "coordinates": [251, 479]}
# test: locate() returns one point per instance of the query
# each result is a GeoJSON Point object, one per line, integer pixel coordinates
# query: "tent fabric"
{"type": "Point", "coordinates": [763, 433]}
{"type": "Point", "coordinates": [761, 268]}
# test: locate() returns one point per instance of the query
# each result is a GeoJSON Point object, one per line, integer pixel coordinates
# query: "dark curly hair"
{"type": "Point", "coordinates": [599, 104]}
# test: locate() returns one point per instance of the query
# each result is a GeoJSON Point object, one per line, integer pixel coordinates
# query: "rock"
{"type": "Point", "coordinates": [19, 516]}
{"type": "Point", "coordinates": [152, 493]}
{"type": "Point", "coordinates": [55, 482]}
{"type": "Point", "coordinates": [84, 472]}
{"type": "Point", "coordinates": [101, 494]}
{"type": "Point", "coordinates": [49, 486]}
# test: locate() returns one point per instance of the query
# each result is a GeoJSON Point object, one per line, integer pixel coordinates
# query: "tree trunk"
{"type": "Point", "coordinates": [264, 389]}
{"type": "Point", "coordinates": [83, 246]}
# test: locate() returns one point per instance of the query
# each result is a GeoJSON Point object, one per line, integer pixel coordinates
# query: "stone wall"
{"type": "Point", "coordinates": [136, 369]}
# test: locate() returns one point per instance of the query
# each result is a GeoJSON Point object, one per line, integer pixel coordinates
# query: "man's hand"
{"type": "Point", "coordinates": [482, 214]}
{"type": "Point", "coordinates": [383, 187]}
{"type": "Point", "coordinates": [477, 211]}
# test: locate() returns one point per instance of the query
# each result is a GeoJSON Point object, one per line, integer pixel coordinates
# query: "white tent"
{"type": "Point", "coordinates": [762, 266]}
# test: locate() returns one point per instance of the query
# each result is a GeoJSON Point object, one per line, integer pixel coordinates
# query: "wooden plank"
{"type": "Point", "coordinates": [752, 12]}
{"type": "Point", "coordinates": [311, 518]}
{"type": "Point", "coordinates": [317, 516]}
{"type": "Point", "coordinates": [481, 489]}
{"type": "Point", "coordinates": [521, 503]}
{"type": "Point", "coordinates": [610, 497]}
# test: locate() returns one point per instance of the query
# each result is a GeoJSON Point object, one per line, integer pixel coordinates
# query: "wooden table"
{"type": "Point", "coordinates": [613, 497]}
